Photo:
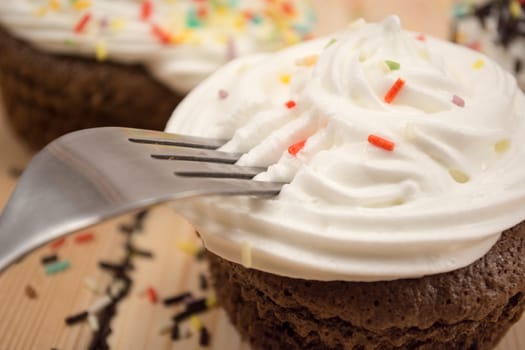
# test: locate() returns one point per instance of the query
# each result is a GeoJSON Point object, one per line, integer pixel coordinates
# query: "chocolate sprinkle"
{"type": "Point", "coordinates": [30, 292]}
{"type": "Point", "coordinates": [204, 337]}
{"type": "Point", "coordinates": [203, 282]}
{"type": "Point", "coordinates": [74, 319]}
{"type": "Point", "coordinates": [49, 259]}
{"type": "Point", "coordinates": [518, 66]}
{"type": "Point", "coordinates": [175, 332]}
{"type": "Point", "coordinates": [177, 299]}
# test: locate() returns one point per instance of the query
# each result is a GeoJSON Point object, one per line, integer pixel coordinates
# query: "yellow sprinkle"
{"type": "Point", "coordinates": [82, 4]}
{"type": "Point", "coordinates": [285, 78]}
{"type": "Point", "coordinates": [307, 61]}
{"type": "Point", "coordinates": [240, 22]}
{"type": "Point", "coordinates": [118, 24]}
{"type": "Point", "coordinates": [183, 37]}
{"type": "Point", "coordinates": [502, 146]}
{"type": "Point", "coordinates": [459, 176]}
{"type": "Point", "coordinates": [188, 247]}
{"type": "Point", "coordinates": [461, 38]}
{"type": "Point", "coordinates": [211, 302]}
{"type": "Point", "coordinates": [291, 38]}
{"type": "Point", "coordinates": [54, 4]}
{"type": "Point", "coordinates": [196, 322]}
{"type": "Point", "coordinates": [101, 50]}
{"type": "Point", "coordinates": [515, 9]}
{"type": "Point", "coordinates": [221, 10]}
{"type": "Point", "coordinates": [478, 64]}
{"type": "Point", "coordinates": [42, 11]}
{"type": "Point", "coordinates": [246, 254]}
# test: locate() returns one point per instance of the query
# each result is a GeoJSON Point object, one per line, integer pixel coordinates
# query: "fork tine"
{"type": "Point", "coordinates": [215, 170]}
{"type": "Point", "coordinates": [160, 138]}
{"type": "Point", "coordinates": [198, 155]}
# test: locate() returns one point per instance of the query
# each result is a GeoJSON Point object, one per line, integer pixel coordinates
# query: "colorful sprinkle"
{"type": "Point", "coordinates": [475, 45]}
{"type": "Point", "coordinates": [288, 8]}
{"type": "Point", "coordinates": [204, 337]}
{"type": "Point", "coordinates": [381, 142]}
{"type": "Point", "coordinates": [478, 64]}
{"type": "Point", "coordinates": [459, 176]}
{"type": "Point", "coordinates": [146, 10]}
{"type": "Point", "coordinates": [231, 49]}
{"type": "Point", "coordinates": [57, 267]}
{"type": "Point", "coordinates": [290, 104]}
{"type": "Point", "coordinates": [101, 51]}
{"type": "Point", "coordinates": [223, 94]}
{"type": "Point", "coordinates": [246, 254]}
{"type": "Point", "coordinates": [330, 43]}
{"type": "Point", "coordinates": [307, 61]}
{"type": "Point", "coordinates": [458, 101]}
{"type": "Point", "coordinates": [502, 146]}
{"type": "Point", "coordinates": [81, 4]}
{"type": "Point", "coordinates": [30, 292]}
{"type": "Point", "coordinates": [285, 78]}
{"type": "Point", "coordinates": [188, 247]}
{"type": "Point", "coordinates": [84, 237]}
{"type": "Point", "coordinates": [515, 9]}
{"type": "Point", "coordinates": [58, 243]}
{"type": "Point", "coordinates": [100, 304]}
{"type": "Point", "coordinates": [54, 4]}
{"type": "Point", "coordinates": [175, 332]}
{"type": "Point", "coordinates": [392, 65]}
{"type": "Point", "coordinates": [152, 295]}
{"type": "Point", "coordinates": [163, 36]}
{"type": "Point", "coordinates": [49, 259]}
{"type": "Point", "coordinates": [117, 24]}
{"type": "Point", "coordinates": [394, 90]}
{"type": "Point", "coordinates": [296, 147]}
{"type": "Point", "coordinates": [196, 322]}
{"type": "Point", "coordinates": [82, 23]}
{"type": "Point", "coordinates": [421, 37]}
{"type": "Point", "coordinates": [179, 298]}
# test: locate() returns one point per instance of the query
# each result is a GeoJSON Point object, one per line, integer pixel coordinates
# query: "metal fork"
{"type": "Point", "coordinates": [88, 176]}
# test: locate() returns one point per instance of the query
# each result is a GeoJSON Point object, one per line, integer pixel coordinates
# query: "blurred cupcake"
{"type": "Point", "coordinates": [401, 224]}
{"type": "Point", "coordinates": [496, 28]}
{"type": "Point", "coordinates": [67, 65]}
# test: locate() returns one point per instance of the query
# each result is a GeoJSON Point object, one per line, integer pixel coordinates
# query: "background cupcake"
{"type": "Point", "coordinates": [496, 28]}
{"type": "Point", "coordinates": [67, 65]}
{"type": "Point", "coordinates": [402, 156]}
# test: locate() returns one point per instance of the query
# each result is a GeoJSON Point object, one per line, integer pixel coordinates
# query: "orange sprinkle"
{"type": "Point", "coordinates": [79, 27]}
{"type": "Point", "coordinates": [152, 295]}
{"type": "Point", "coordinates": [288, 8]}
{"type": "Point", "coordinates": [82, 4]}
{"type": "Point", "coordinates": [58, 243]}
{"type": "Point", "coordinates": [394, 90]}
{"type": "Point", "coordinates": [421, 37]}
{"type": "Point", "coordinates": [146, 10]}
{"type": "Point", "coordinates": [296, 147]}
{"type": "Point", "coordinates": [163, 36]}
{"type": "Point", "coordinates": [290, 104]}
{"type": "Point", "coordinates": [84, 237]}
{"type": "Point", "coordinates": [381, 142]}
{"type": "Point", "coordinates": [202, 12]}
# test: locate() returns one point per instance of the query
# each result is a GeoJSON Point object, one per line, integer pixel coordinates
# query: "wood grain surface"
{"type": "Point", "coordinates": [38, 323]}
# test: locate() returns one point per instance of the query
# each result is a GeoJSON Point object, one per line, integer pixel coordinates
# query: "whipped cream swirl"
{"type": "Point", "coordinates": [180, 42]}
{"type": "Point", "coordinates": [436, 201]}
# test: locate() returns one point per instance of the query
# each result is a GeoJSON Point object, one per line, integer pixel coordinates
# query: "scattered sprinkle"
{"type": "Point", "coordinates": [287, 8]}
{"type": "Point", "coordinates": [394, 90]}
{"type": "Point", "coordinates": [223, 94]}
{"type": "Point", "coordinates": [49, 259]}
{"type": "Point", "coordinates": [81, 4]}
{"type": "Point", "coordinates": [84, 237]}
{"type": "Point", "coordinates": [381, 142]}
{"type": "Point", "coordinates": [101, 50]}
{"type": "Point", "coordinates": [330, 42]}
{"type": "Point", "coordinates": [30, 292]}
{"type": "Point", "coordinates": [82, 23]}
{"type": "Point", "coordinates": [460, 10]}
{"type": "Point", "coordinates": [246, 254]}
{"type": "Point", "coordinates": [163, 36]}
{"type": "Point", "coordinates": [152, 295]}
{"type": "Point", "coordinates": [146, 10]}
{"type": "Point", "coordinates": [100, 304]}
{"type": "Point", "coordinates": [113, 266]}
{"type": "Point", "coordinates": [74, 319]}
{"type": "Point", "coordinates": [290, 104]}
{"type": "Point", "coordinates": [502, 146]}
{"type": "Point", "coordinates": [196, 322]}
{"type": "Point", "coordinates": [515, 9]}
{"type": "Point", "coordinates": [203, 282]}
{"type": "Point", "coordinates": [175, 332]}
{"type": "Point", "coordinates": [392, 65]}
{"type": "Point", "coordinates": [421, 37]}
{"type": "Point", "coordinates": [475, 45]}
{"type": "Point", "coordinates": [93, 322]}
{"type": "Point", "coordinates": [458, 101]}
{"type": "Point", "coordinates": [459, 176]}
{"type": "Point", "coordinates": [478, 64]}
{"type": "Point", "coordinates": [307, 61]}
{"type": "Point", "coordinates": [188, 247]}
{"type": "Point", "coordinates": [117, 24]}
{"type": "Point", "coordinates": [296, 147]}
{"type": "Point", "coordinates": [58, 243]}
{"type": "Point", "coordinates": [204, 337]}
{"type": "Point", "coordinates": [211, 302]}
{"type": "Point", "coordinates": [285, 78]}
{"type": "Point", "coordinates": [179, 298]}
{"type": "Point", "coordinates": [231, 49]}
{"type": "Point", "coordinates": [116, 288]}
{"type": "Point", "coordinates": [57, 267]}
{"type": "Point", "coordinates": [139, 252]}
{"type": "Point", "coordinates": [54, 4]}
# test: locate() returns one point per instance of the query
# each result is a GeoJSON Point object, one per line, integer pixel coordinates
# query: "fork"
{"type": "Point", "coordinates": [91, 175]}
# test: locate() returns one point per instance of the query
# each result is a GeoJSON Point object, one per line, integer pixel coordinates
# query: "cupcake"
{"type": "Point", "coordinates": [401, 223]}
{"type": "Point", "coordinates": [67, 65]}
{"type": "Point", "coordinates": [496, 28]}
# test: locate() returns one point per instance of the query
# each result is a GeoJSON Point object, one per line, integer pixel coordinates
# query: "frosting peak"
{"type": "Point", "coordinates": [400, 152]}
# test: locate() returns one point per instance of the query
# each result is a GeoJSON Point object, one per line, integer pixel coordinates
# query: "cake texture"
{"type": "Point", "coordinates": [72, 65]}
{"type": "Point", "coordinates": [495, 28]}
{"type": "Point", "coordinates": [400, 222]}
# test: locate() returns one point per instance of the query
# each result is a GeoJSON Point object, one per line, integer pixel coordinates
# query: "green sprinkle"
{"type": "Point", "coordinates": [330, 43]}
{"type": "Point", "coordinates": [256, 19]}
{"type": "Point", "coordinates": [392, 65]}
{"type": "Point", "coordinates": [460, 10]}
{"type": "Point", "coordinates": [192, 19]}
{"type": "Point", "coordinates": [69, 42]}
{"type": "Point", "coordinates": [57, 267]}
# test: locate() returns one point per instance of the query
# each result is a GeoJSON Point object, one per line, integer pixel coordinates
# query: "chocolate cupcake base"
{"type": "Point", "coordinates": [47, 95]}
{"type": "Point", "coordinates": [470, 308]}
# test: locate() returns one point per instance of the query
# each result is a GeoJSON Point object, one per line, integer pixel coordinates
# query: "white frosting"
{"type": "Point", "coordinates": [198, 46]}
{"type": "Point", "coordinates": [351, 210]}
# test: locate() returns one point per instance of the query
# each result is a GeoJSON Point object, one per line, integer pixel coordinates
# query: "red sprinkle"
{"type": "Point", "coordinates": [152, 295]}
{"type": "Point", "coordinates": [79, 27]}
{"type": "Point", "coordinates": [394, 90]}
{"type": "Point", "coordinates": [421, 37]}
{"type": "Point", "coordinates": [475, 45]}
{"type": "Point", "coordinates": [381, 142]}
{"type": "Point", "coordinates": [58, 243]}
{"type": "Point", "coordinates": [202, 12]}
{"type": "Point", "coordinates": [296, 147]}
{"type": "Point", "coordinates": [84, 237]}
{"type": "Point", "coordinates": [290, 104]}
{"type": "Point", "coordinates": [146, 10]}
{"type": "Point", "coordinates": [163, 36]}
{"type": "Point", "coordinates": [458, 101]}
{"type": "Point", "coordinates": [288, 8]}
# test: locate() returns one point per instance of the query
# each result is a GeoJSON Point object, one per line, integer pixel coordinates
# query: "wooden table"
{"type": "Point", "coordinates": [38, 323]}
